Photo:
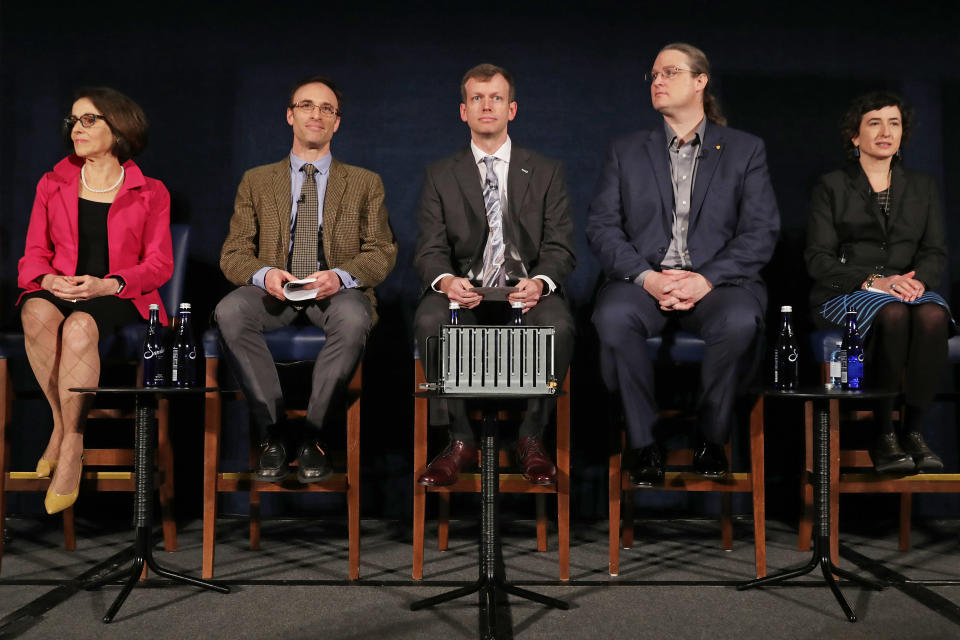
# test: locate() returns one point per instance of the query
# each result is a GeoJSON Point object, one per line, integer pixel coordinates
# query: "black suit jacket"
{"type": "Point", "coordinates": [734, 219]}
{"type": "Point", "coordinates": [453, 219]}
{"type": "Point", "coordinates": [849, 238]}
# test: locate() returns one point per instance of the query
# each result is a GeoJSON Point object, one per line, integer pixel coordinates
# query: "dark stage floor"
{"type": "Point", "coordinates": [675, 583]}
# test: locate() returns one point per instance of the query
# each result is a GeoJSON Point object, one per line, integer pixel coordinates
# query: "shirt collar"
{"type": "Point", "coordinates": [503, 153]}
{"type": "Point", "coordinates": [697, 137]}
{"type": "Point", "coordinates": [322, 164]}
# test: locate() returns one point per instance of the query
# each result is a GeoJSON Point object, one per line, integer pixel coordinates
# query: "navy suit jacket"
{"type": "Point", "coordinates": [734, 220]}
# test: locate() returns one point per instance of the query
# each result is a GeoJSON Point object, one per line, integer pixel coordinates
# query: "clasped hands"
{"type": "Point", "coordinates": [528, 291]}
{"type": "Point", "coordinates": [676, 289]}
{"type": "Point", "coordinates": [76, 288]}
{"type": "Point", "coordinates": [327, 283]}
{"type": "Point", "coordinates": [904, 287]}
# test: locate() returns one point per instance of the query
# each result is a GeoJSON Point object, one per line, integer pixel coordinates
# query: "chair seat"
{"type": "Point", "coordinates": [285, 344]}
{"type": "Point", "coordinates": [679, 346]}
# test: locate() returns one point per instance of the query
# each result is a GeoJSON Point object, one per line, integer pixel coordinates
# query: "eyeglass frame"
{"type": "Point", "coordinates": [326, 109]}
{"type": "Point", "coordinates": [651, 76]}
{"type": "Point", "coordinates": [72, 120]}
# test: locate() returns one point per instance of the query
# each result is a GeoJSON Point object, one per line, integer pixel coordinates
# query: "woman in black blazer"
{"type": "Point", "coordinates": [876, 242]}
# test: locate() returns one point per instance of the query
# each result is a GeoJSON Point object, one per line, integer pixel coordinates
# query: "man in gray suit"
{"type": "Point", "coordinates": [493, 214]}
{"type": "Point", "coordinates": [307, 216]}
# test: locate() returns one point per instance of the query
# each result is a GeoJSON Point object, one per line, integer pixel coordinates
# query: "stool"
{"type": "Point", "coordinates": [673, 348]}
{"type": "Point", "coordinates": [289, 345]}
{"type": "Point", "coordinates": [822, 343]}
{"type": "Point", "coordinates": [509, 483]}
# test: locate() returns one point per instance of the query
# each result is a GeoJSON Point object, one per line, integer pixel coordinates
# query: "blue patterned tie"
{"type": "Point", "coordinates": [494, 274]}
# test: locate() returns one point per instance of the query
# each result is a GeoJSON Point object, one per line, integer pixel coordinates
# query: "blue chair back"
{"type": "Point", "coordinates": [172, 292]}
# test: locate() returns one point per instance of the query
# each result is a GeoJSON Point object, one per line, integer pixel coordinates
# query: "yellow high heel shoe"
{"type": "Point", "coordinates": [55, 502]}
{"type": "Point", "coordinates": [45, 468]}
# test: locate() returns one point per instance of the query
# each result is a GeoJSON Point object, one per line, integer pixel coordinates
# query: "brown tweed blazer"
{"type": "Point", "coordinates": [356, 235]}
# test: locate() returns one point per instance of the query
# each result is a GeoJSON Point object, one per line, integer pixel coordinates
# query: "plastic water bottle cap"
{"type": "Point", "coordinates": [786, 309]}
{"type": "Point", "coordinates": [517, 305]}
{"type": "Point", "coordinates": [184, 305]}
{"type": "Point", "coordinates": [454, 305]}
{"type": "Point", "coordinates": [154, 307]}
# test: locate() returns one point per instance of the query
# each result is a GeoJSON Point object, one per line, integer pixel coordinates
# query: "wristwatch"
{"type": "Point", "coordinates": [869, 281]}
{"type": "Point", "coordinates": [121, 285]}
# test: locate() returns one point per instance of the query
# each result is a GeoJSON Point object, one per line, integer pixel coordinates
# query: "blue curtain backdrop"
{"type": "Point", "coordinates": [213, 80]}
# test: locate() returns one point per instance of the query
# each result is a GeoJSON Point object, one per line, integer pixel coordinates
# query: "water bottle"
{"type": "Point", "coordinates": [851, 374]}
{"type": "Point", "coordinates": [154, 352]}
{"type": "Point", "coordinates": [454, 312]}
{"type": "Point", "coordinates": [517, 318]}
{"type": "Point", "coordinates": [786, 354]}
{"type": "Point", "coordinates": [184, 352]}
{"type": "Point", "coordinates": [837, 356]}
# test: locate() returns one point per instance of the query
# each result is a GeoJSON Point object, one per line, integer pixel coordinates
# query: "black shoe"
{"type": "Point", "coordinates": [312, 463]}
{"type": "Point", "coordinates": [273, 465]}
{"type": "Point", "coordinates": [888, 457]}
{"type": "Point", "coordinates": [710, 461]}
{"type": "Point", "coordinates": [916, 447]}
{"type": "Point", "coordinates": [645, 466]}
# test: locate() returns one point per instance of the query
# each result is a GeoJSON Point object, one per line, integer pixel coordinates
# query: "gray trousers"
{"type": "Point", "coordinates": [550, 311]}
{"type": "Point", "coordinates": [248, 311]}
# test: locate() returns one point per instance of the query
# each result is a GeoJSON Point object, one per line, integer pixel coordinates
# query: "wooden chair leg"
{"type": "Point", "coordinates": [726, 521]}
{"type": "Point", "coordinates": [613, 497]}
{"type": "Point", "coordinates": [805, 528]}
{"type": "Point", "coordinates": [254, 505]}
{"type": "Point", "coordinates": [541, 522]}
{"type": "Point", "coordinates": [758, 487]}
{"type": "Point", "coordinates": [6, 413]}
{"type": "Point", "coordinates": [443, 521]}
{"type": "Point", "coordinates": [165, 488]}
{"type": "Point", "coordinates": [626, 535]}
{"type": "Point", "coordinates": [213, 406]}
{"type": "Point", "coordinates": [563, 480]}
{"type": "Point", "coordinates": [420, 419]}
{"type": "Point", "coordinates": [69, 531]}
{"type": "Point", "coordinates": [353, 477]}
{"type": "Point", "coordinates": [906, 506]}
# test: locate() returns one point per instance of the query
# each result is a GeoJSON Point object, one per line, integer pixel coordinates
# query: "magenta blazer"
{"type": "Point", "coordinates": [138, 233]}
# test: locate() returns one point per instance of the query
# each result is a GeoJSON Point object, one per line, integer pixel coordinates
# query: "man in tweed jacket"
{"type": "Point", "coordinates": [345, 246]}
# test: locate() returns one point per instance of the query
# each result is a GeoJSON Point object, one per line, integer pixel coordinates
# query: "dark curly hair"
{"type": "Point", "coordinates": [850, 122]}
{"type": "Point", "coordinates": [125, 118]}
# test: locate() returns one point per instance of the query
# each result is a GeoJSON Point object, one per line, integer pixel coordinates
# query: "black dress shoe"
{"type": "Point", "coordinates": [889, 457]}
{"type": "Point", "coordinates": [312, 463]}
{"type": "Point", "coordinates": [710, 461]}
{"type": "Point", "coordinates": [273, 465]}
{"type": "Point", "coordinates": [645, 466]}
{"type": "Point", "coordinates": [916, 447]}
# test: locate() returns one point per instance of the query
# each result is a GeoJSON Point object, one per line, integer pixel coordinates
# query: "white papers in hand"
{"type": "Point", "coordinates": [293, 290]}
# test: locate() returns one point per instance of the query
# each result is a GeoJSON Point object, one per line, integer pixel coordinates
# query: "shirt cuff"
{"type": "Point", "coordinates": [258, 278]}
{"type": "Point", "coordinates": [551, 287]}
{"type": "Point", "coordinates": [643, 276]}
{"type": "Point", "coordinates": [433, 285]}
{"type": "Point", "coordinates": [347, 281]}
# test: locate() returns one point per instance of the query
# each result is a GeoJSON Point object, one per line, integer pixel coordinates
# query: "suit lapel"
{"type": "Point", "coordinates": [657, 151]}
{"type": "Point", "coordinates": [711, 148]}
{"type": "Point", "coordinates": [336, 185]}
{"type": "Point", "coordinates": [280, 186]}
{"type": "Point", "coordinates": [898, 183]}
{"type": "Point", "coordinates": [518, 179]}
{"type": "Point", "coordinates": [861, 185]}
{"type": "Point", "coordinates": [468, 179]}
{"type": "Point", "coordinates": [69, 195]}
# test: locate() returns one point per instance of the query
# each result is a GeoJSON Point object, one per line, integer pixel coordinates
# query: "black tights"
{"type": "Point", "coordinates": [907, 344]}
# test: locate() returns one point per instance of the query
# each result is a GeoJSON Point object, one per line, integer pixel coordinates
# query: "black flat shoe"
{"type": "Point", "coordinates": [888, 457]}
{"type": "Point", "coordinates": [923, 456]}
{"type": "Point", "coordinates": [273, 466]}
{"type": "Point", "coordinates": [645, 466]}
{"type": "Point", "coordinates": [312, 463]}
{"type": "Point", "coordinates": [710, 461]}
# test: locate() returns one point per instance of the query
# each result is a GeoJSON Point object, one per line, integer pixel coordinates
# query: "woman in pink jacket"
{"type": "Point", "coordinates": [98, 247]}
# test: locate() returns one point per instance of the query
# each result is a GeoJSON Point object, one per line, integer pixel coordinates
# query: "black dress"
{"type": "Point", "coordinates": [93, 259]}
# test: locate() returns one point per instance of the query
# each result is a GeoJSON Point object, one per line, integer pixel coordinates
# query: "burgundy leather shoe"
{"type": "Point", "coordinates": [538, 468]}
{"type": "Point", "coordinates": [445, 468]}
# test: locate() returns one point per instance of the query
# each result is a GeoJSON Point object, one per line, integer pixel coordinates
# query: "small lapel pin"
{"type": "Point", "coordinates": [718, 147]}
{"type": "Point", "coordinates": [524, 170]}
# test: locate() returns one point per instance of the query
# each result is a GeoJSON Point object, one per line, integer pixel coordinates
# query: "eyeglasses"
{"type": "Point", "coordinates": [87, 120]}
{"type": "Point", "coordinates": [326, 110]}
{"type": "Point", "coordinates": [669, 73]}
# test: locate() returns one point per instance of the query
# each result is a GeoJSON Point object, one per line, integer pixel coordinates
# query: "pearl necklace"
{"type": "Point", "coordinates": [83, 179]}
